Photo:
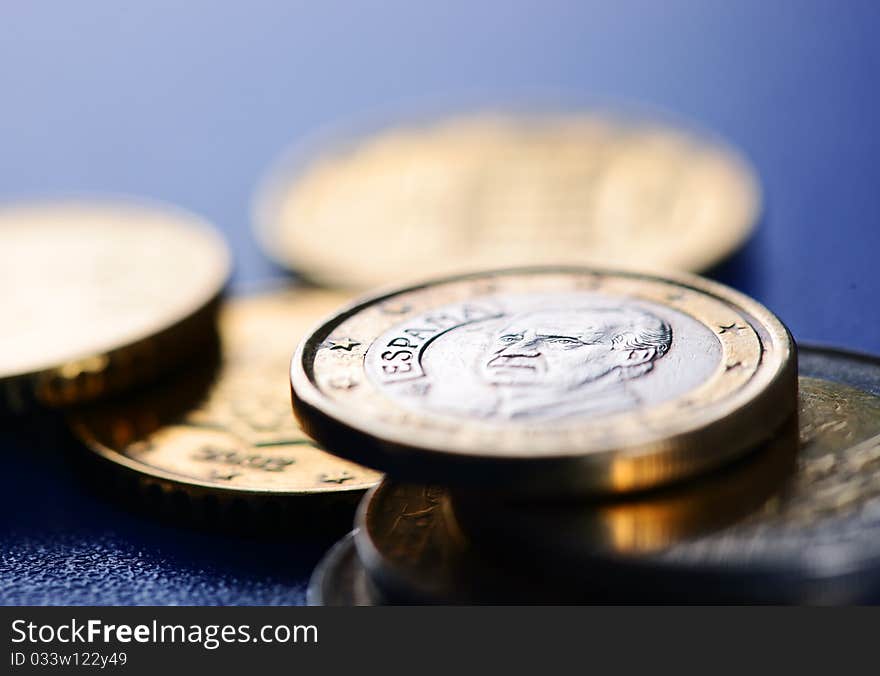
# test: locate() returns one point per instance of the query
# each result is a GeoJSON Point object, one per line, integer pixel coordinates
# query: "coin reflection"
{"type": "Point", "coordinates": [641, 524]}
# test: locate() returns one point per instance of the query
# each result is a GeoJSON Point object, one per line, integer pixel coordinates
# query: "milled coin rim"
{"type": "Point", "coordinates": [650, 460]}
{"type": "Point", "coordinates": [184, 483]}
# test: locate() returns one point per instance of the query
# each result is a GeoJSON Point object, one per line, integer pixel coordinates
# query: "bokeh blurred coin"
{"type": "Point", "coordinates": [228, 431]}
{"type": "Point", "coordinates": [472, 192]}
{"type": "Point", "coordinates": [547, 381]}
{"type": "Point", "coordinates": [101, 295]}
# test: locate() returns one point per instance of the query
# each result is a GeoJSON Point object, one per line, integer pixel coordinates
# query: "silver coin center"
{"type": "Point", "coordinates": [542, 357]}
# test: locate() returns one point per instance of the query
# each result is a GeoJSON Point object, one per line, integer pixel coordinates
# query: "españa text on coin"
{"type": "Point", "coordinates": [547, 380]}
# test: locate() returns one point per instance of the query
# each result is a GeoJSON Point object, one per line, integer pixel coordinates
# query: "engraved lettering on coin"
{"type": "Point", "coordinates": [543, 371]}
{"type": "Point", "coordinates": [541, 357]}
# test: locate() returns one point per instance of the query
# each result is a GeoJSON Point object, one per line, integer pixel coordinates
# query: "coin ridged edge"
{"type": "Point", "coordinates": [326, 421]}
{"type": "Point", "coordinates": [217, 509]}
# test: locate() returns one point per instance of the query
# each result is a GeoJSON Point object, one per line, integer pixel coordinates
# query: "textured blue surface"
{"type": "Point", "coordinates": [189, 102]}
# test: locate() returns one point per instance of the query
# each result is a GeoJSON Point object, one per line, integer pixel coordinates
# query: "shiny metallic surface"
{"type": "Point", "coordinates": [812, 539]}
{"type": "Point", "coordinates": [223, 427]}
{"type": "Point", "coordinates": [504, 189]}
{"type": "Point", "coordinates": [108, 294]}
{"type": "Point", "coordinates": [641, 524]}
{"type": "Point", "coordinates": [410, 545]}
{"type": "Point", "coordinates": [552, 381]}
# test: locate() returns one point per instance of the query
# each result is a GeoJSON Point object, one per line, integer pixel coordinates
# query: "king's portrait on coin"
{"type": "Point", "coordinates": [555, 370]}
{"type": "Point", "coordinates": [553, 363]}
{"type": "Point", "coordinates": [529, 360]}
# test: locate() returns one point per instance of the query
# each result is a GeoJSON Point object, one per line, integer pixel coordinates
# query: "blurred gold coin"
{"type": "Point", "coordinates": [488, 191]}
{"type": "Point", "coordinates": [228, 430]}
{"type": "Point", "coordinates": [101, 295]}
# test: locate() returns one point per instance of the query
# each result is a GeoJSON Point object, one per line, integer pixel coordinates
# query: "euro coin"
{"type": "Point", "coordinates": [479, 191]}
{"type": "Point", "coordinates": [102, 295]}
{"type": "Point", "coordinates": [227, 431]}
{"type": "Point", "coordinates": [817, 540]}
{"type": "Point", "coordinates": [412, 551]}
{"type": "Point", "coordinates": [547, 381]}
{"type": "Point", "coordinates": [813, 538]}
{"type": "Point", "coordinates": [425, 544]}
{"type": "Point", "coordinates": [640, 524]}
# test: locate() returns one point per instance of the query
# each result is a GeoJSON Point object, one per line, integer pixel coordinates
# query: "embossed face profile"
{"type": "Point", "coordinates": [596, 381]}
{"type": "Point", "coordinates": [539, 358]}
{"type": "Point", "coordinates": [567, 349]}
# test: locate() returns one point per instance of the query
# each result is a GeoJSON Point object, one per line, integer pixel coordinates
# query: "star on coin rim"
{"type": "Point", "coordinates": [671, 449]}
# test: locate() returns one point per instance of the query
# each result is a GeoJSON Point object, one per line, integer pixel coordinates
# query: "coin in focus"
{"type": "Point", "coordinates": [812, 539]}
{"type": "Point", "coordinates": [228, 431]}
{"type": "Point", "coordinates": [547, 381]}
{"type": "Point", "coordinates": [480, 191]}
{"type": "Point", "coordinates": [103, 295]}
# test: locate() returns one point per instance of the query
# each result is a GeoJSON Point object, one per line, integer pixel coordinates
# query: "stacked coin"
{"type": "Point", "coordinates": [547, 381]}
{"type": "Point", "coordinates": [121, 298]}
{"type": "Point", "coordinates": [571, 435]}
{"type": "Point", "coordinates": [549, 433]}
{"type": "Point", "coordinates": [813, 540]}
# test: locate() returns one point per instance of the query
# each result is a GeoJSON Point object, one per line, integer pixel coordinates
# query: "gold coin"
{"type": "Point", "coordinates": [547, 381]}
{"type": "Point", "coordinates": [833, 421]}
{"type": "Point", "coordinates": [424, 542]}
{"type": "Point", "coordinates": [101, 295]}
{"type": "Point", "coordinates": [476, 192]}
{"type": "Point", "coordinates": [641, 524]}
{"type": "Point", "coordinates": [808, 535]}
{"type": "Point", "coordinates": [228, 431]}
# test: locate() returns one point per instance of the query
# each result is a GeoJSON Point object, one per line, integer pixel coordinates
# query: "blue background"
{"type": "Point", "coordinates": [190, 102]}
